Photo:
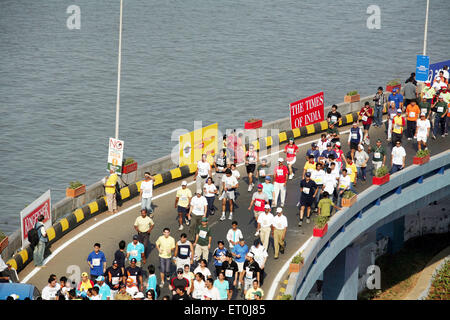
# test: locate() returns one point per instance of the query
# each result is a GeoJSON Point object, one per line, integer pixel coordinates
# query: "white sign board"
{"type": "Point", "coordinates": [115, 155]}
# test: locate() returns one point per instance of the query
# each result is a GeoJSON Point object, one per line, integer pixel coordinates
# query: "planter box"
{"type": "Point", "coordinates": [295, 267]}
{"type": "Point", "coordinates": [130, 168]}
{"type": "Point", "coordinates": [253, 125]}
{"type": "Point", "coordinates": [320, 232]}
{"type": "Point", "coordinates": [354, 98]}
{"type": "Point", "coordinates": [349, 202]}
{"type": "Point", "coordinates": [73, 193]}
{"type": "Point", "coordinates": [390, 88]}
{"type": "Point", "coordinates": [380, 180]}
{"type": "Point", "coordinates": [3, 244]}
{"type": "Point", "coordinates": [420, 161]}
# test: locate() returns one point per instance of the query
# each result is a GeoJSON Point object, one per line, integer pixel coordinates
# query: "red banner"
{"type": "Point", "coordinates": [30, 214]}
{"type": "Point", "coordinates": [307, 111]}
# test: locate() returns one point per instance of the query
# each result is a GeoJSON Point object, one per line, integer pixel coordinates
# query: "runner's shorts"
{"type": "Point", "coordinates": [422, 137]}
{"type": "Point", "coordinates": [292, 161]}
{"type": "Point", "coordinates": [251, 168]}
{"type": "Point", "coordinates": [229, 195]}
{"type": "Point", "coordinates": [183, 210]}
{"type": "Point", "coordinates": [306, 201]}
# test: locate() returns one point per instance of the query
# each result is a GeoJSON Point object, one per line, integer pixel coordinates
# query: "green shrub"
{"type": "Point", "coordinates": [286, 297]}
{"type": "Point", "coordinates": [2, 236]}
{"type": "Point", "coordinates": [381, 172]}
{"type": "Point", "coordinates": [128, 161]}
{"type": "Point", "coordinates": [352, 93]}
{"type": "Point", "coordinates": [321, 221]}
{"type": "Point", "coordinates": [75, 184]}
{"type": "Point", "coordinates": [394, 82]}
{"type": "Point", "coordinates": [422, 153]}
{"type": "Point", "coordinates": [298, 259]}
{"type": "Point", "coordinates": [348, 194]}
{"type": "Point", "coordinates": [253, 120]}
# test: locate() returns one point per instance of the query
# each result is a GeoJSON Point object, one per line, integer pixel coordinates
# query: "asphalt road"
{"type": "Point", "coordinates": [73, 249]}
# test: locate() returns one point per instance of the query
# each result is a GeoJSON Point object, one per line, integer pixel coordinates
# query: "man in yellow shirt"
{"type": "Point", "coordinates": [165, 246]}
{"type": "Point", "coordinates": [144, 225]}
{"type": "Point", "coordinates": [110, 190]}
{"type": "Point", "coordinates": [182, 203]}
{"type": "Point", "coordinates": [351, 171]}
{"type": "Point", "coordinates": [310, 166]}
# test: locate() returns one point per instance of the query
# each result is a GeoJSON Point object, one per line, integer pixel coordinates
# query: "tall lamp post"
{"type": "Point", "coordinates": [426, 30]}
{"type": "Point", "coordinates": [119, 64]}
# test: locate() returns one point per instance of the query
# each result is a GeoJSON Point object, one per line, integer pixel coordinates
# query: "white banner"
{"type": "Point", "coordinates": [115, 155]}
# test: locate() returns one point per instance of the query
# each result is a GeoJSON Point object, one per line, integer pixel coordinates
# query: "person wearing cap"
{"type": "Point", "coordinates": [339, 155]}
{"type": "Point", "coordinates": [197, 211]}
{"type": "Point", "coordinates": [110, 190]}
{"type": "Point", "coordinates": [264, 226]}
{"type": "Point", "coordinates": [379, 155]}
{"type": "Point", "coordinates": [131, 287]}
{"type": "Point", "coordinates": [391, 112]}
{"type": "Point", "coordinates": [135, 272]}
{"type": "Point", "coordinates": [445, 93]}
{"type": "Point", "coordinates": [422, 131]}
{"type": "Point", "coordinates": [250, 272]}
{"type": "Point", "coordinates": [182, 203]}
{"type": "Point", "coordinates": [165, 246]}
{"type": "Point", "coordinates": [239, 252]}
{"type": "Point", "coordinates": [397, 98]}
{"type": "Point", "coordinates": [85, 283]}
{"type": "Point", "coordinates": [412, 114]}
{"type": "Point", "coordinates": [314, 151]}
{"type": "Point", "coordinates": [428, 92]}
{"type": "Point", "coordinates": [219, 256]}
{"type": "Point", "coordinates": [355, 137]}
{"type": "Point", "coordinates": [333, 132]}
{"type": "Point", "coordinates": [279, 229]}
{"type": "Point", "coordinates": [104, 290]}
{"type": "Point", "coordinates": [178, 281]}
{"type": "Point", "coordinates": [398, 125]}
{"type": "Point", "coordinates": [203, 172]}
{"type": "Point", "coordinates": [136, 250]}
{"type": "Point", "coordinates": [334, 116]}
{"type": "Point", "coordinates": [291, 150]}
{"type": "Point", "coordinates": [254, 291]}
{"type": "Point", "coordinates": [268, 189]}
{"type": "Point", "coordinates": [146, 193]}
{"type": "Point", "coordinates": [123, 294]}
{"type": "Point", "coordinates": [262, 171]}
{"type": "Point", "coordinates": [398, 157]}
{"type": "Point", "coordinates": [114, 276]}
{"type": "Point", "coordinates": [210, 191]}
{"type": "Point", "coordinates": [380, 102]}
{"type": "Point", "coordinates": [440, 108]}
{"type": "Point", "coordinates": [259, 200]}
{"type": "Point", "coordinates": [202, 243]}
{"type": "Point", "coordinates": [220, 165]}
{"type": "Point", "coordinates": [97, 262]}
{"type": "Point", "coordinates": [184, 252]}
{"type": "Point", "coordinates": [439, 81]}
{"type": "Point", "coordinates": [251, 159]}
{"type": "Point", "coordinates": [233, 235]}
{"type": "Point", "coordinates": [361, 159]}
{"type": "Point", "coordinates": [365, 116]}
{"type": "Point", "coordinates": [324, 156]}
{"type": "Point", "coordinates": [308, 192]}
{"type": "Point", "coordinates": [144, 226]}
{"type": "Point", "coordinates": [229, 185]}
{"type": "Point", "coordinates": [280, 174]}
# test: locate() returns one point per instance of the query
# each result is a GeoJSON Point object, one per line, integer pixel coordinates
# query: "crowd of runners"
{"type": "Point", "coordinates": [231, 268]}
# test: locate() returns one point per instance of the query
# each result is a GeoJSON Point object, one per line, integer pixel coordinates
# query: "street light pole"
{"type": "Point", "coordinates": [426, 30]}
{"type": "Point", "coordinates": [119, 65]}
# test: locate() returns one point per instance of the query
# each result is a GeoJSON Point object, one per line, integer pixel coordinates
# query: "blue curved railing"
{"type": "Point", "coordinates": [412, 186]}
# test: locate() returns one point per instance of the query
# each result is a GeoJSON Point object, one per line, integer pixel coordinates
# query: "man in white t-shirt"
{"type": "Point", "coordinates": [422, 131]}
{"type": "Point", "coordinates": [197, 211]}
{"type": "Point", "coordinates": [398, 157]}
{"type": "Point", "coordinates": [279, 228]}
{"type": "Point", "coordinates": [49, 292]}
{"type": "Point", "coordinates": [147, 193]}
{"type": "Point", "coordinates": [344, 185]}
{"type": "Point", "coordinates": [265, 226]}
{"type": "Point", "coordinates": [203, 172]}
{"type": "Point", "coordinates": [229, 186]}
{"type": "Point", "coordinates": [210, 292]}
{"type": "Point", "coordinates": [233, 235]}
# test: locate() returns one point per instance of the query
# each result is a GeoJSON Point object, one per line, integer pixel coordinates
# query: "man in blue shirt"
{"type": "Point", "coordinates": [104, 290]}
{"type": "Point", "coordinates": [268, 188]}
{"type": "Point", "coordinates": [239, 252]}
{"type": "Point", "coordinates": [326, 154]}
{"type": "Point", "coordinates": [219, 256]}
{"type": "Point", "coordinates": [136, 250]}
{"type": "Point", "coordinates": [397, 98]}
{"type": "Point", "coordinates": [313, 151]}
{"type": "Point", "coordinates": [97, 262]}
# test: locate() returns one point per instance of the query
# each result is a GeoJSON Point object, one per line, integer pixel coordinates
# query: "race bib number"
{"type": "Point", "coordinates": [354, 136]}
{"type": "Point", "coordinates": [318, 180]}
{"type": "Point", "coordinates": [202, 234]}
{"type": "Point", "coordinates": [392, 116]}
{"type": "Point", "coordinates": [257, 203]}
{"type": "Point", "coordinates": [228, 273]}
{"type": "Point", "coordinates": [306, 190]}
{"type": "Point", "coordinates": [397, 127]}
{"type": "Point", "coordinates": [412, 114]}
{"type": "Point", "coordinates": [134, 278]}
{"type": "Point", "coordinates": [440, 109]}
{"type": "Point", "coordinates": [342, 186]}
{"type": "Point", "coordinates": [279, 172]}
{"type": "Point", "coordinates": [262, 172]}
{"type": "Point", "coordinates": [115, 280]}
{"type": "Point", "coordinates": [364, 118]}
{"type": "Point", "coordinates": [96, 262]}
{"type": "Point", "coordinates": [377, 155]}
{"type": "Point", "coordinates": [249, 274]}
{"type": "Point", "coordinates": [333, 119]}
{"type": "Point", "coordinates": [184, 198]}
{"type": "Point", "coordinates": [184, 251]}
{"type": "Point", "coordinates": [290, 150]}
{"type": "Point", "coordinates": [424, 110]}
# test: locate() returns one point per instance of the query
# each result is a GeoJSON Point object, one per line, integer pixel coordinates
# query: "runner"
{"type": "Point", "coordinates": [251, 158]}
{"type": "Point", "coordinates": [203, 238]}
{"type": "Point", "coordinates": [254, 292]}
{"type": "Point", "coordinates": [351, 171]}
{"type": "Point", "coordinates": [104, 291]}
{"type": "Point", "coordinates": [136, 250]}
{"type": "Point", "coordinates": [250, 272]}
{"type": "Point", "coordinates": [222, 285]}
{"type": "Point", "coordinates": [339, 154]}
{"type": "Point", "coordinates": [144, 226]}
{"type": "Point", "coordinates": [210, 191]}
{"type": "Point", "coordinates": [229, 185]}
{"type": "Point", "coordinates": [263, 229]}
{"type": "Point", "coordinates": [380, 102]}
{"type": "Point", "coordinates": [398, 157]}
{"type": "Point", "coordinates": [165, 246]}
{"type": "Point", "coordinates": [178, 281]}
{"type": "Point", "coordinates": [344, 185]}
{"type": "Point", "coordinates": [239, 252]}
{"type": "Point", "coordinates": [281, 174]}
{"type": "Point", "coordinates": [263, 171]}
{"type": "Point", "coordinates": [379, 156]}
{"type": "Point", "coordinates": [422, 131]}
{"type": "Point", "coordinates": [203, 269]}
{"type": "Point", "coordinates": [114, 277]}
{"type": "Point", "coordinates": [210, 292]}
{"type": "Point", "coordinates": [220, 165]}
{"type": "Point", "coordinates": [355, 137]}
{"type": "Point", "coordinates": [134, 272]}
{"type": "Point", "coordinates": [392, 112]}
{"type": "Point", "coordinates": [361, 159]}
{"type": "Point", "coordinates": [145, 196]}
{"type": "Point", "coordinates": [260, 255]}
{"type": "Point", "coordinates": [231, 271]}
{"type": "Point", "coordinates": [203, 171]}
{"type": "Point", "coordinates": [366, 115]}
{"type": "Point", "coordinates": [324, 156]}
{"type": "Point", "coordinates": [233, 235]}
{"type": "Point", "coordinates": [334, 116]}
{"type": "Point", "coordinates": [322, 143]}
{"type": "Point", "coordinates": [120, 255]}
{"type": "Point", "coordinates": [308, 191]}
{"type": "Point", "coordinates": [412, 114]}
{"type": "Point", "coordinates": [259, 200]}
{"type": "Point", "coordinates": [333, 132]}
{"type": "Point", "coordinates": [291, 150]}
{"type": "Point", "coordinates": [279, 228]}
{"type": "Point", "coordinates": [197, 211]}
{"type": "Point", "coordinates": [318, 176]}
{"type": "Point", "coordinates": [330, 181]}
{"type": "Point", "coordinates": [182, 203]}
{"type": "Point", "coordinates": [397, 98]}
{"type": "Point", "coordinates": [152, 281]}
{"type": "Point", "coordinates": [398, 125]}
{"type": "Point", "coordinates": [440, 108]}
{"type": "Point", "coordinates": [314, 151]}
{"type": "Point", "coordinates": [132, 289]}
{"type": "Point", "coordinates": [268, 189]}
{"type": "Point", "coordinates": [325, 205]}
{"type": "Point", "coordinates": [219, 256]}
{"type": "Point", "coordinates": [97, 262]}
{"type": "Point", "coordinates": [198, 286]}
{"type": "Point", "coordinates": [188, 274]}
{"type": "Point", "coordinates": [183, 252]}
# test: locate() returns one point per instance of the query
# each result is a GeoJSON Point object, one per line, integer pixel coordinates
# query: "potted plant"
{"type": "Point", "coordinates": [320, 226]}
{"type": "Point", "coordinates": [348, 198]}
{"type": "Point", "coordinates": [422, 156]}
{"type": "Point", "coordinates": [352, 96]}
{"type": "Point", "coordinates": [381, 176]}
{"type": "Point", "coordinates": [253, 124]}
{"type": "Point", "coordinates": [296, 263]}
{"type": "Point", "coordinates": [129, 165]}
{"type": "Point", "coordinates": [393, 84]}
{"type": "Point", "coordinates": [75, 189]}
{"type": "Point", "coordinates": [286, 297]}
{"type": "Point", "coordinates": [3, 241]}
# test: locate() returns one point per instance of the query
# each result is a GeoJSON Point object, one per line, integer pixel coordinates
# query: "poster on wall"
{"type": "Point", "coordinates": [115, 155]}
{"type": "Point", "coordinates": [198, 142]}
{"type": "Point", "coordinates": [30, 214]}
{"type": "Point", "coordinates": [435, 68]}
{"type": "Point", "coordinates": [307, 111]}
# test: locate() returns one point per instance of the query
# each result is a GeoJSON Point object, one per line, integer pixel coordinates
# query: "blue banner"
{"type": "Point", "coordinates": [422, 67]}
{"type": "Point", "coordinates": [435, 68]}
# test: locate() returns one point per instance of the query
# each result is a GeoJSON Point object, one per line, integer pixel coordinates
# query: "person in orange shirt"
{"type": "Point", "coordinates": [412, 114]}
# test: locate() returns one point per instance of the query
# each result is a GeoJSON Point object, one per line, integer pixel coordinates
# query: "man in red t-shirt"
{"type": "Point", "coordinates": [280, 174]}
{"type": "Point", "coordinates": [340, 155]}
{"type": "Point", "coordinates": [291, 150]}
